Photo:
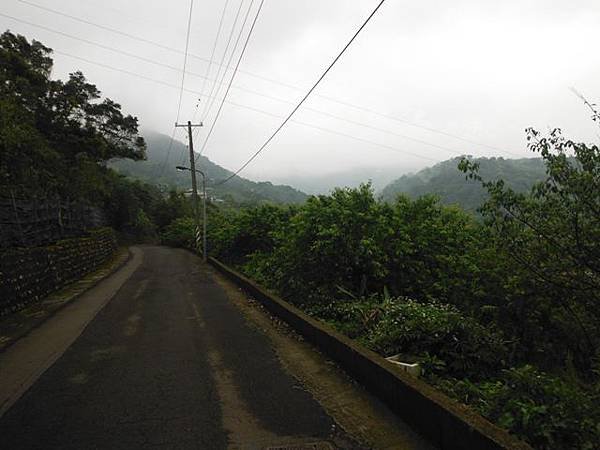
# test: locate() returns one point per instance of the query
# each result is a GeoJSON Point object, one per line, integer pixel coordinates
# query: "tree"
{"type": "Point", "coordinates": [55, 136]}
{"type": "Point", "coordinates": [553, 234]}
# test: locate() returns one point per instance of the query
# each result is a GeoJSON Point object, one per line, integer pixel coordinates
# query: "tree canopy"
{"type": "Point", "coordinates": [55, 136]}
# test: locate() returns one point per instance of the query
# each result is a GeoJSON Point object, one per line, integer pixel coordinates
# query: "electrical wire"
{"type": "Point", "coordinates": [217, 115]}
{"type": "Point", "coordinates": [270, 80]}
{"type": "Point", "coordinates": [289, 116]}
{"type": "Point", "coordinates": [207, 73]}
{"type": "Point", "coordinates": [206, 108]}
{"type": "Point", "coordinates": [250, 108]}
{"type": "Point", "coordinates": [187, 43]}
{"type": "Point", "coordinates": [210, 61]}
{"type": "Point", "coordinates": [212, 98]}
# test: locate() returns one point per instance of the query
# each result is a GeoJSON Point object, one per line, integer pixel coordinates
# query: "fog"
{"type": "Point", "coordinates": [461, 77]}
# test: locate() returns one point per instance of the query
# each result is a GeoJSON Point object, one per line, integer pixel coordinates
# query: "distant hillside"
{"type": "Point", "coordinates": [237, 190]}
{"type": "Point", "coordinates": [325, 183]}
{"type": "Point", "coordinates": [446, 181]}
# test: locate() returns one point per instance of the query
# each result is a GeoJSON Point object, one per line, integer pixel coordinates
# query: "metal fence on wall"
{"type": "Point", "coordinates": [26, 222]}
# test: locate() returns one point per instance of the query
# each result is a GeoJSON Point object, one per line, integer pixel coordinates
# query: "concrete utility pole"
{"type": "Point", "coordinates": [193, 170]}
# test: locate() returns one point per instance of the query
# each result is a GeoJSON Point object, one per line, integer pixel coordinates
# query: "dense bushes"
{"type": "Point", "coordinates": [431, 332]}
{"type": "Point", "coordinates": [350, 240]}
{"type": "Point", "coordinates": [179, 233]}
{"type": "Point", "coordinates": [550, 412]}
{"type": "Point", "coordinates": [503, 311]}
{"type": "Point", "coordinates": [469, 299]}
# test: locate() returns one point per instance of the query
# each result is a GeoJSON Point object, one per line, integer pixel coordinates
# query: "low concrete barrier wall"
{"type": "Point", "coordinates": [30, 274]}
{"type": "Point", "coordinates": [444, 422]}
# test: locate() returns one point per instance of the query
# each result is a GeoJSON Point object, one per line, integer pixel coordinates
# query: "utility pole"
{"type": "Point", "coordinates": [189, 126]}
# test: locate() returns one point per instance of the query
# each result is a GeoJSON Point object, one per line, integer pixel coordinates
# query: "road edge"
{"type": "Point", "coordinates": [443, 421]}
{"type": "Point", "coordinates": [80, 287]}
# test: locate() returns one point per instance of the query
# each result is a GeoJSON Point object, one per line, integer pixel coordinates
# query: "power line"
{"type": "Point", "coordinates": [264, 145]}
{"type": "Point", "coordinates": [102, 27]}
{"type": "Point", "coordinates": [239, 105]}
{"type": "Point", "coordinates": [96, 44]}
{"type": "Point", "coordinates": [211, 55]}
{"type": "Point", "coordinates": [338, 133]}
{"type": "Point", "coordinates": [216, 118]}
{"type": "Point", "coordinates": [212, 98]}
{"type": "Point", "coordinates": [206, 108]}
{"type": "Point", "coordinates": [187, 43]}
{"type": "Point", "coordinates": [270, 80]}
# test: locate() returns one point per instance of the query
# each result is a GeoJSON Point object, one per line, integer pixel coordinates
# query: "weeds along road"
{"type": "Point", "coordinates": [178, 358]}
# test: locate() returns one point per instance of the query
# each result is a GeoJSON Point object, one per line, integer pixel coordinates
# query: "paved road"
{"type": "Point", "coordinates": [169, 362]}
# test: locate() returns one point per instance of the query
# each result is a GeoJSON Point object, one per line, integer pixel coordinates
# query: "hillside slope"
{"type": "Point", "coordinates": [237, 190]}
{"type": "Point", "coordinates": [445, 180]}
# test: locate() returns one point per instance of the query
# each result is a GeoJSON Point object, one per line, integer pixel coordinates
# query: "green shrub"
{"type": "Point", "coordinates": [180, 233]}
{"type": "Point", "coordinates": [458, 343]}
{"type": "Point", "coordinates": [548, 412]}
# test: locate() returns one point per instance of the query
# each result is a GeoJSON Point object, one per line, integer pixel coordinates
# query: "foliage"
{"type": "Point", "coordinates": [503, 312]}
{"type": "Point", "coordinates": [415, 248]}
{"type": "Point", "coordinates": [434, 252]}
{"type": "Point", "coordinates": [444, 181]}
{"type": "Point", "coordinates": [552, 235]}
{"type": "Point", "coordinates": [550, 412]}
{"type": "Point", "coordinates": [330, 241]}
{"type": "Point", "coordinates": [430, 331]}
{"type": "Point", "coordinates": [159, 168]}
{"type": "Point", "coordinates": [56, 135]}
{"type": "Point", "coordinates": [56, 138]}
{"type": "Point", "coordinates": [180, 233]}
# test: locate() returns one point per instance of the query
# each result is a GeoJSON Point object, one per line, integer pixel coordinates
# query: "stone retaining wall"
{"type": "Point", "coordinates": [28, 275]}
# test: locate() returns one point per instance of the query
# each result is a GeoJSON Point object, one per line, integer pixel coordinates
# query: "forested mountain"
{"type": "Point", "coordinates": [445, 180]}
{"type": "Point", "coordinates": [158, 169]}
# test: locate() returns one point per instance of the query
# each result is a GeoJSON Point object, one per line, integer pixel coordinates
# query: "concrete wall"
{"type": "Point", "coordinates": [446, 423]}
{"type": "Point", "coordinates": [28, 275]}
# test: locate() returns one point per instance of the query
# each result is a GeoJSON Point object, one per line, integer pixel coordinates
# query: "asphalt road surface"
{"type": "Point", "coordinates": [169, 362]}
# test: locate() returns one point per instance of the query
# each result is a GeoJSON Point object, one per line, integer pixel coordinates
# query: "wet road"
{"type": "Point", "coordinates": [169, 362]}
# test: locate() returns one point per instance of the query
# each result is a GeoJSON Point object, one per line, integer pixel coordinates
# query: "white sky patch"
{"type": "Point", "coordinates": [482, 70]}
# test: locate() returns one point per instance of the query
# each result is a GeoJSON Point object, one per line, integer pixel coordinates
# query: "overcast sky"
{"type": "Point", "coordinates": [479, 70]}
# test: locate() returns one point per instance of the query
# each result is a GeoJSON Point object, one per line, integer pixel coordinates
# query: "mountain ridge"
{"type": "Point", "coordinates": [446, 181]}
{"type": "Point", "coordinates": [159, 169]}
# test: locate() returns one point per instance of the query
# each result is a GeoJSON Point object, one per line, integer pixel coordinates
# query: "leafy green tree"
{"type": "Point", "coordinates": [56, 136]}
{"type": "Point", "coordinates": [433, 252]}
{"type": "Point", "coordinates": [552, 234]}
{"type": "Point", "coordinates": [332, 242]}
{"type": "Point", "coordinates": [180, 233]}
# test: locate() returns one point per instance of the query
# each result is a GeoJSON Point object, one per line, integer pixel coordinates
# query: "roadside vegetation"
{"type": "Point", "coordinates": [501, 310]}
{"type": "Point", "coordinates": [56, 138]}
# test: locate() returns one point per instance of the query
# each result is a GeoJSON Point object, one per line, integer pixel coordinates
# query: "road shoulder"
{"type": "Point", "coordinates": [19, 324]}
{"type": "Point", "coordinates": [354, 410]}
{"type": "Point", "coordinates": [48, 338]}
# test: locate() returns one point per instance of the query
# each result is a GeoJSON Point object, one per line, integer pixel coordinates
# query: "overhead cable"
{"type": "Point", "coordinates": [216, 118]}
{"type": "Point", "coordinates": [210, 61]}
{"type": "Point", "coordinates": [207, 106]}
{"type": "Point", "coordinates": [239, 105]}
{"type": "Point", "coordinates": [289, 116]}
{"type": "Point", "coordinates": [187, 43]}
{"type": "Point", "coordinates": [268, 79]}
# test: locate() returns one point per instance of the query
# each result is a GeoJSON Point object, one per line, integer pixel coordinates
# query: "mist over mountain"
{"type": "Point", "coordinates": [159, 169]}
{"type": "Point", "coordinates": [324, 183]}
{"type": "Point", "coordinates": [446, 181]}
